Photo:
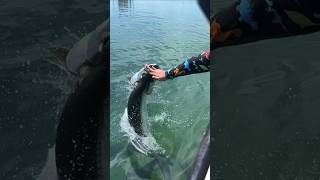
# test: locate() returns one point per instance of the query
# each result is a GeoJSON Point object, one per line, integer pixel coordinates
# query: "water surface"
{"type": "Point", "coordinates": [33, 86]}
{"type": "Point", "coordinates": [166, 33]}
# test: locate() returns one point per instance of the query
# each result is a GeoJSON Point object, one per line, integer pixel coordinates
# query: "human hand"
{"type": "Point", "coordinates": [157, 74]}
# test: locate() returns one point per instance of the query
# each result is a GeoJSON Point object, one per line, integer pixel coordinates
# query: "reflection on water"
{"type": "Point", "coordinates": [124, 5]}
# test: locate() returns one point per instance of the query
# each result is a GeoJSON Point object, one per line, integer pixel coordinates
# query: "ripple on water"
{"type": "Point", "coordinates": [165, 33]}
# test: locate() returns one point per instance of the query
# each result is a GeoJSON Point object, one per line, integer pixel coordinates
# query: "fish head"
{"type": "Point", "coordinates": [88, 50]}
{"type": "Point", "coordinates": [143, 76]}
{"type": "Point", "coordinates": [137, 77]}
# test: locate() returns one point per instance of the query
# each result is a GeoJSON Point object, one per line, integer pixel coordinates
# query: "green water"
{"type": "Point", "coordinates": [165, 33]}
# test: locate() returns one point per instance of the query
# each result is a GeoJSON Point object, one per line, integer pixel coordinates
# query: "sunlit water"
{"type": "Point", "coordinates": [33, 86]}
{"type": "Point", "coordinates": [166, 33]}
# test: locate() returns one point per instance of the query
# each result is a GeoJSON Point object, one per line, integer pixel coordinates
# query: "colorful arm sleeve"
{"type": "Point", "coordinates": [252, 20]}
{"type": "Point", "coordinates": [191, 66]}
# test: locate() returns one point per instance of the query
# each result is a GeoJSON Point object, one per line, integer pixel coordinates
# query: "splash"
{"type": "Point", "coordinates": [144, 144]}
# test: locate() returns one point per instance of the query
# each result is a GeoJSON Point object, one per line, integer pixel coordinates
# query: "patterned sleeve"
{"type": "Point", "coordinates": [252, 20]}
{"type": "Point", "coordinates": [192, 65]}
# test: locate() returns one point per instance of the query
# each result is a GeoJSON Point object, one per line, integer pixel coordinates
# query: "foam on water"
{"type": "Point", "coordinates": [144, 144]}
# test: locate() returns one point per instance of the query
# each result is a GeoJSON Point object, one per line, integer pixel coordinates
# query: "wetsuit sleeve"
{"type": "Point", "coordinates": [192, 65]}
{"type": "Point", "coordinates": [252, 20]}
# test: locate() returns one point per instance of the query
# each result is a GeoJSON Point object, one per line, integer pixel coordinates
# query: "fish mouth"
{"type": "Point", "coordinates": [138, 77]}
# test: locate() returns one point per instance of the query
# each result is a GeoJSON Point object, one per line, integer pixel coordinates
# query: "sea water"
{"type": "Point", "coordinates": [177, 111]}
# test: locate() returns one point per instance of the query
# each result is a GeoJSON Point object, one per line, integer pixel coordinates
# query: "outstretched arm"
{"type": "Point", "coordinates": [252, 20]}
{"type": "Point", "coordinates": [193, 65]}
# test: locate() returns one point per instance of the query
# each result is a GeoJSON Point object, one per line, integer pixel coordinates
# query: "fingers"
{"type": "Point", "coordinates": [156, 74]}
{"type": "Point", "coordinates": [153, 73]}
{"type": "Point", "coordinates": [150, 68]}
{"type": "Point", "coordinates": [153, 68]}
{"type": "Point", "coordinates": [156, 77]}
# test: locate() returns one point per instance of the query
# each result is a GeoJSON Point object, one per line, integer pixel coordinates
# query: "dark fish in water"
{"type": "Point", "coordinates": [82, 135]}
{"type": "Point", "coordinates": [81, 131]}
{"type": "Point", "coordinates": [88, 49]}
{"type": "Point", "coordinates": [145, 172]}
{"type": "Point", "coordinates": [142, 83]}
